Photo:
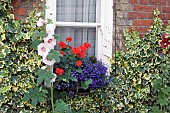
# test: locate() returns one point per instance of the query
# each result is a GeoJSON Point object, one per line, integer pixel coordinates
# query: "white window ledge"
{"type": "Point", "coordinates": [77, 24]}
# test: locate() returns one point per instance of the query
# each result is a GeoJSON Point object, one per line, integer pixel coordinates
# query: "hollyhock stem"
{"type": "Point", "coordinates": [52, 102]}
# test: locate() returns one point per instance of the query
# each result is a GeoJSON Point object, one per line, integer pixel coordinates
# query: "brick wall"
{"type": "Point", "coordinates": [21, 8]}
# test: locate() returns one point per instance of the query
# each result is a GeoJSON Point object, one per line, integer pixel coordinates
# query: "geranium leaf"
{"type": "Point", "coordinates": [44, 75]}
{"type": "Point", "coordinates": [54, 54]}
{"type": "Point", "coordinates": [62, 107]}
{"type": "Point", "coordinates": [35, 95]}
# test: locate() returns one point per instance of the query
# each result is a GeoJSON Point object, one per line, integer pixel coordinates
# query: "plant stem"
{"type": "Point", "coordinates": [52, 103]}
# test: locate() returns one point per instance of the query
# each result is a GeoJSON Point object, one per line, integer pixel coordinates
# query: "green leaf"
{"type": "Point", "coordinates": [35, 95]}
{"type": "Point", "coordinates": [155, 109]}
{"type": "Point", "coordinates": [85, 84]}
{"type": "Point", "coordinates": [44, 75]}
{"type": "Point", "coordinates": [57, 37]}
{"type": "Point", "coordinates": [162, 99]}
{"type": "Point", "coordinates": [42, 34]}
{"type": "Point", "coordinates": [34, 44]}
{"type": "Point", "coordinates": [79, 70]}
{"type": "Point", "coordinates": [62, 107]}
{"type": "Point", "coordinates": [54, 54]}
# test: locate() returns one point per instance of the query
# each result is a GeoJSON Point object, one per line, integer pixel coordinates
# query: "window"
{"type": "Point", "coordinates": [86, 21]}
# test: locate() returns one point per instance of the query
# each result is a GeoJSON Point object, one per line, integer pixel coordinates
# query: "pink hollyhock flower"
{"type": "Point", "coordinates": [41, 22]}
{"type": "Point", "coordinates": [43, 49]}
{"type": "Point", "coordinates": [50, 41]}
{"type": "Point", "coordinates": [47, 61]}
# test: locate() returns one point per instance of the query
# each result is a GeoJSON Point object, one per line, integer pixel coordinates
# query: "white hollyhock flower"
{"type": "Point", "coordinates": [53, 79]}
{"type": "Point", "coordinates": [41, 22]}
{"type": "Point", "coordinates": [43, 49]}
{"type": "Point", "coordinates": [49, 40]}
{"type": "Point", "coordinates": [43, 67]}
{"type": "Point", "coordinates": [47, 61]}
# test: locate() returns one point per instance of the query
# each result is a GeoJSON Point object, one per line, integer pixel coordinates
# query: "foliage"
{"type": "Point", "coordinates": [141, 75]}
{"type": "Point", "coordinates": [18, 61]}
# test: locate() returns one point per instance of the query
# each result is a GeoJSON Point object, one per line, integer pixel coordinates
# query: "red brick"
{"type": "Point", "coordinates": [143, 8]}
{"type": "Point", "coordinates": [131, 28]}
{"type": "Point", "coordinates": [142, 15]}
{"type": "Point", "coordinates": [165, 22]}
{"type": "Point", "coordinates": [157, 2]}
{"type": "Point", "coordinates": [166, 9]}
{"type": "Point", "coordinates": [132, 15]}
{"type": "Point", "coordinates": [133, 1]}
{"type": "Point", "coordinates": [150, 15]}
{"type": "Point", "coordinates": [17, 17]}
{"type": "Point", "coordinates": [141, 22]}
{"type": "Point", "coordinates": [168, 2]}
{"type": "Point", "coordinates": [167, 16]}
{"type": "Point", "coordinates": [146, 2]}
{"type": "Point", "coordinates": [162, 16]}
{"type": "Point", "coordinates": [142, 29]}
{"type": "Point", "coordinates": [16, 3]}
{"type": "Point", "coordinates": [21, 11]}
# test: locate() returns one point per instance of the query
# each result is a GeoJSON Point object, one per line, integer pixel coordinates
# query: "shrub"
{"type": "Point", "coordinates": [141, 75]}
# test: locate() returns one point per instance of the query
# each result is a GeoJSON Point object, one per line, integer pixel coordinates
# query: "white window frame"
{"type": "Point", "coordinates": [103, 25]}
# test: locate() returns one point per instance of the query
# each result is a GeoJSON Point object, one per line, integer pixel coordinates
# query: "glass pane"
{"type": "Point", "coordinates": [80, 36]}
{"type": "Point", "coordinates": [76, 10]}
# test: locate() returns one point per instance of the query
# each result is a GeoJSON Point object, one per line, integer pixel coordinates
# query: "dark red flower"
{"type": "Point", "coordinates": [161, 52]}
{"type": "Point", "coordinates": [81, 55]}
{"type": "Point", "coordinates": [164, 43]}
{"type": "Point", "coordinates": [79, 63]}
{"type": "Point", "coordinates": [87, 45]}
{"type": "Point", "coordinates": [76, 50]}
{"type": "Point", "coordinates": [59, 71]}
{"type": "Point", "coordinates": [62, 44]}
{"type": "Point", "coordinates": [69, 39]}
{"type": "Point", "coordinates": [62, 52]}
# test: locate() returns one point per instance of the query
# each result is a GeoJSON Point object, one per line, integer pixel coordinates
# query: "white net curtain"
{"type": "Point", "coordinates": [77, 11]}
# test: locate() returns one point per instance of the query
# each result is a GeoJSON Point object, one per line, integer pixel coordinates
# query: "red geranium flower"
{"type": "Point", "coordinates": [76, 50]}
{"type": "Point", "coordinates": [83, 48]}
{"type": "Point", "coordinates": [79, 63]}
{"type": "Point", "coordinates": [69, 39]}
{"type": "Point", "coordinates": [62, 44]}
{"type": "Point", "coordinates": [81, 55]}
{"type": "Point", "coordinates": [59, 71]}
{"type": "Point", "coordinates": [87, 45]}
{"type": "Point", "coordinates": [62, 52]}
